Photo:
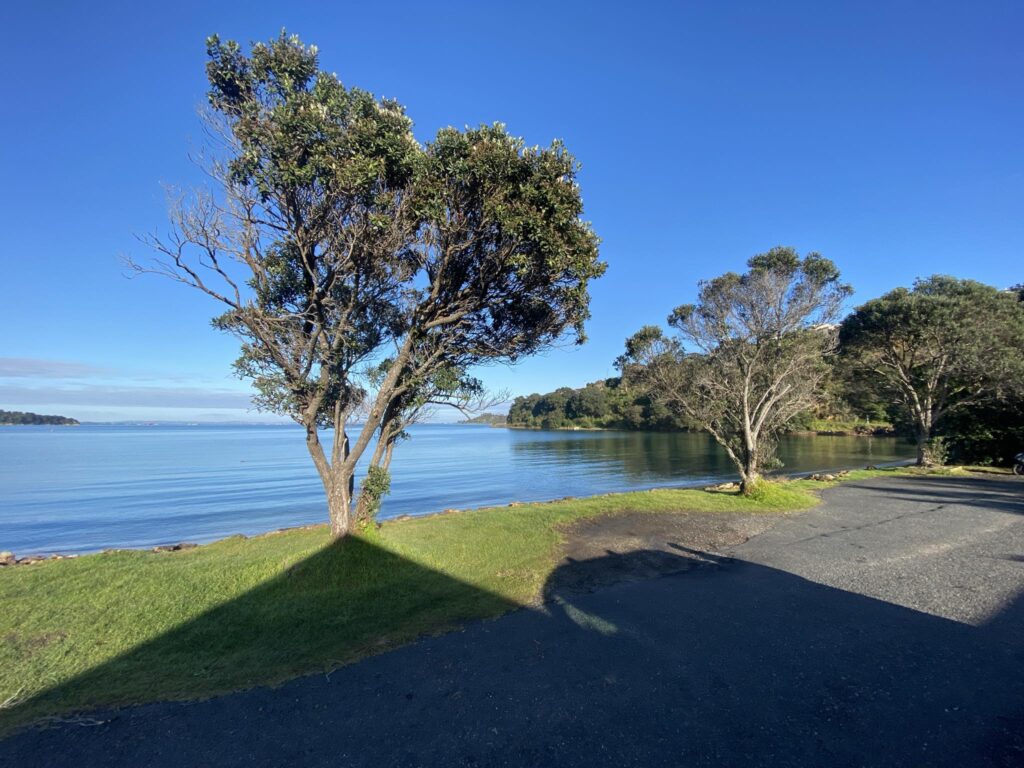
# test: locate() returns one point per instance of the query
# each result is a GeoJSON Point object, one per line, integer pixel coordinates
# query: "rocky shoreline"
{"type": "Point", "coordinates": [9, 559]}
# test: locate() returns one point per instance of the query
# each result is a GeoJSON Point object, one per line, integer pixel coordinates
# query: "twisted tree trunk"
{"type": "Point", "coordinates": [337, 477]}
{"type": "Point", "coordinates": [339, 509]}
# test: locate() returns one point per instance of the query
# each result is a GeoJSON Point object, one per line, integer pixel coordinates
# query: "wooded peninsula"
{"type": "Point", "coordinates": [20, 418]}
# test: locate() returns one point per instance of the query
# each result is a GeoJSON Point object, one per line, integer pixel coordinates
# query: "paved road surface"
{"type": "Point", "coordinates": [885, 628]}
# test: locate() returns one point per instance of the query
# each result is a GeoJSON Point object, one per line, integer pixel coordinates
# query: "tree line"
{"type": "Point", "coordinates": [944, 360]}
{"type": "Point", "coordinates": [13, 418]}
{"type": "Point", "coordinates": [606, 404]}
{"type": "Point", "coordinates": [941, 362]}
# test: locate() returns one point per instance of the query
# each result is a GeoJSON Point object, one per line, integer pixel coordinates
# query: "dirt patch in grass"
{"type": "Point", "coordinates": [610, 549]}
{"type": "Point", "coordinates": [26, 645]}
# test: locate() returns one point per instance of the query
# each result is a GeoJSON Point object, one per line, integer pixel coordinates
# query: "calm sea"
{"type": "Point", "coordinates": [81, 489]}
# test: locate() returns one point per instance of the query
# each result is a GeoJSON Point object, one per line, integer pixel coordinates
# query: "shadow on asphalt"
{"type": "Point", "coordinates": [987, 492]}
{"type": "Point", "coordinates": [730, 663]}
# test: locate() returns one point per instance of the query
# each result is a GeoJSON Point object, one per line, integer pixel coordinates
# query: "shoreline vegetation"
{"type": "Point", "coordinates": [129, 626]}
{"type": "Point", "coordinates": [818, 428]}
{"type": "Point", "coordinates": [25, 418]}
{"type": "Point", "coordinates": [612, 405]}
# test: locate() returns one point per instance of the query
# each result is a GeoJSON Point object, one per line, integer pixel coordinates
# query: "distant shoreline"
{"type": "Point", "coordinates": [877, 432]}
{"type": "Point", "coordinates": [30, 419]}
{"type": "Point", "coordinates": [13, 424]}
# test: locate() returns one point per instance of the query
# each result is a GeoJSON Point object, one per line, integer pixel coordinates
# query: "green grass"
{"type": "Point", "coordinates": [847, 426]}
{"type": "Point", "coordinates": [986, 470]}
{"type": "Point", "coordinates": [136, 626]}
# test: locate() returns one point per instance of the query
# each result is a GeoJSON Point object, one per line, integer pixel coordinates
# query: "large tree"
{"type": "Point", "coordinates": [937, 349]}
{"type": "Point", "coordinates": [748, 356]}
{"type": "Point", "coordinates": [341, 246]}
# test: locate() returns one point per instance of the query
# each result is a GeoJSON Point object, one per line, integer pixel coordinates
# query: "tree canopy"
{"type": "Point", "coordinates": [939, 348]}
{"type": "Point", "coordinates": [748, 356]}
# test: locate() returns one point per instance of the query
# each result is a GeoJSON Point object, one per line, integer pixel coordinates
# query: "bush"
{"type": "Point", "coordinates": [376, 485]}
{"type": "Point", "coordinates": [936, 452]}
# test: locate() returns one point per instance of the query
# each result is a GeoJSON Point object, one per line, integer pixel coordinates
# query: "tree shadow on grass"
{"type": "Point", "coordinates": [349, 599]}
{"type": "Point", "coordinates": [721, 662]}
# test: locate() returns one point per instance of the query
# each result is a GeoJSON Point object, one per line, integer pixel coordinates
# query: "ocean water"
{"type": "Point", "coordinates": [82, 489]}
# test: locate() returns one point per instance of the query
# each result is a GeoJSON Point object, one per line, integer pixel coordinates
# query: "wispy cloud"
{"type": "Point", "coordinates": [31, 368]}
{"type": "Point", "coordinates": [125, 396]}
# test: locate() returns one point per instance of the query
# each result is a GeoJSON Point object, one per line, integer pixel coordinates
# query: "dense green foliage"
{"type": "Point", "coordinates": [9, 418]}
{"type": "Point", "coordinates": [376, 485]}
{"type": "Point", "coordinates": [992, 430]}
{"type": "Point", "coordinates": [607, 404]}
{"type": "Point", "coordinates": [946, 357]}
{"type": "Point", "coordinates": [987, 433]}
{"type": "Point", "coordinates": [129, 626]}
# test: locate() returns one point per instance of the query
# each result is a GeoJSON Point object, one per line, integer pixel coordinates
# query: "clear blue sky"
{"type": "Point", "coordinates": [887, 136]}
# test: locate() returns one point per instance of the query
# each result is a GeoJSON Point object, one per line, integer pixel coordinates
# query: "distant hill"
{"type": "Point", "coordinates": [488, 419]}
{"type": "Point", "coordinates": [11, 418]}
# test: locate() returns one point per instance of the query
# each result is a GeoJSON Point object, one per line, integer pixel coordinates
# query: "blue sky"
{"type": "Point", "coordinates": [887, 136]}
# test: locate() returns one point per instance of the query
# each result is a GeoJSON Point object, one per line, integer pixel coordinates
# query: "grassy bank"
{"type": "Point", "coordinates": [849, 427]}
{"type": "Point", "coordinates": [137, 626]}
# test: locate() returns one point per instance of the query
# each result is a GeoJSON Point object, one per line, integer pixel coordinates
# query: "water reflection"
{"type": "Point", "coordinates": [693, 457]}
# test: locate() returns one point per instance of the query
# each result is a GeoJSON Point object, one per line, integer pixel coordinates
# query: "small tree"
{"type": "Point", "coordinates": [339, 244]}
{"type": "Point", "coordinates": [748, 357]}
{"type": "Point", "coordinates": [941, 347]}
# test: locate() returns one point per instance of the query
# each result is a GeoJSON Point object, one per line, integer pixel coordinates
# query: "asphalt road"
{"type": "Point", "coordinates": [885, 628]}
